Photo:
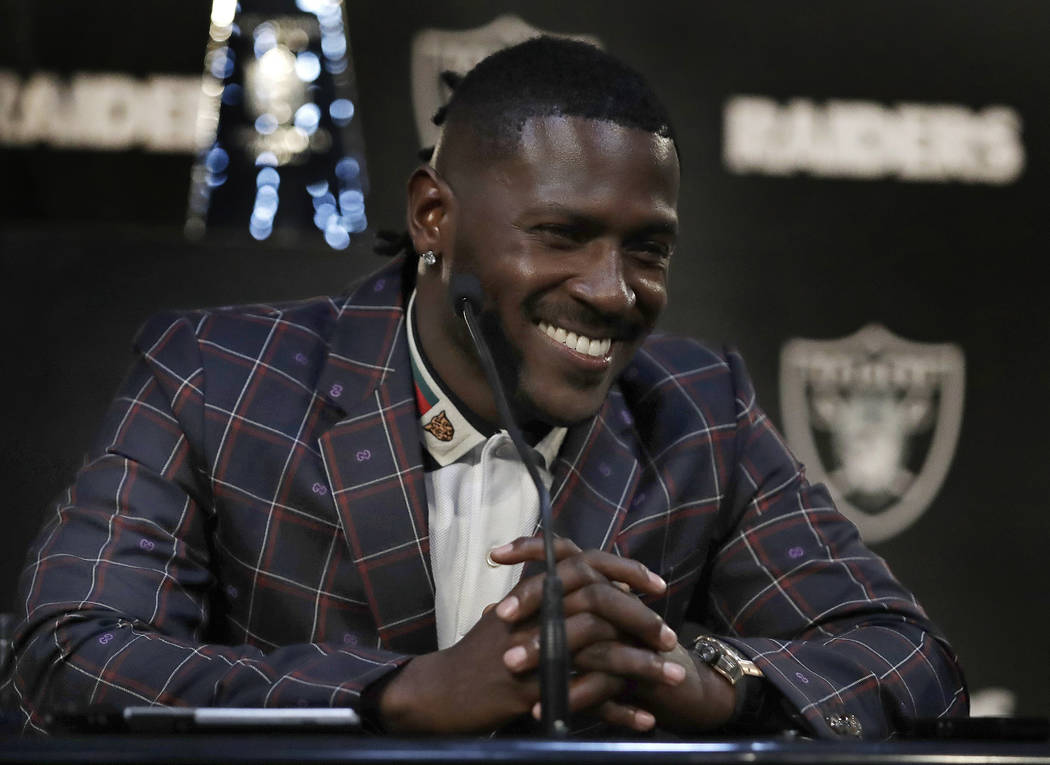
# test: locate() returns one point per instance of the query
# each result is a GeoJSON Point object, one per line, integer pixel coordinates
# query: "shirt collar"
{"type": "Point", "coordinates": [550, 445]}
{"type": "Point", "coordinates": [445, 423]}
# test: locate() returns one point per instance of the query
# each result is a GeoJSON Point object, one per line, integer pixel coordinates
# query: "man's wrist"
{"type": "Point", "coordinates": [399, 699]}
{"type": "Point", "coordinates": [739, 673]}
{"type": "Point", "coordinates": [703, 701]}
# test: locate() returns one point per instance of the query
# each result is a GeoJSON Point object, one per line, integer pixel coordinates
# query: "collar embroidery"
{"type": "Point", "coordinates": [446, 432]}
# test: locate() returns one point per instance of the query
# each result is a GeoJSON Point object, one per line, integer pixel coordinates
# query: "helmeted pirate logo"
{"type": "Point", "coordinates": [440, 427]}
{"type": "Point", "coordinates": [877, 419]}
{"type": "Point", "coordinates": [440, 56]}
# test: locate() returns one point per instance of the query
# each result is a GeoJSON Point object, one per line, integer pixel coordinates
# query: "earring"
{"type": "Point", "coordinates": [429, 258]}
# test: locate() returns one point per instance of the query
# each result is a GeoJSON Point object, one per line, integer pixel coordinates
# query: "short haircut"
{"type": "Point", "coordinates": [551, 76]}
{"type": "Point", "coordinates": [541, 77]}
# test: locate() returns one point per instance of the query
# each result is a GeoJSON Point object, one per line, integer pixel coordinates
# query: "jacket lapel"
{"type": "Point", "coordinates": [595, 477]}
{"type": "Point", "coordinates": [599, 493]}
{"type": "Point", "coordinates": [373, 458]}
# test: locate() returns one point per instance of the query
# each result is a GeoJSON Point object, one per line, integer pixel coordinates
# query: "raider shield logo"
{"type": "Point", "coordinates": [441, 54]}
{"type": "Point", "coordinates": [876, 418]}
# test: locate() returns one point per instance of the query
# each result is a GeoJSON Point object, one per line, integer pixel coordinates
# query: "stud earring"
{"type": "Point", "coordinates": [429, 258]}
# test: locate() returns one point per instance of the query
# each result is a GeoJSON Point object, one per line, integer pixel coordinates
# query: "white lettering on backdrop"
{"type": "Point", "coordinates": [866, 140]}
{"type": "Point", "coordinates": [100, 111]}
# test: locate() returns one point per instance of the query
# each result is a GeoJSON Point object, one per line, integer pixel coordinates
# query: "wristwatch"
{"type": "Point", "coordinates": [734, 667]}
{"type": "Point", "coordinates": [724, 659]}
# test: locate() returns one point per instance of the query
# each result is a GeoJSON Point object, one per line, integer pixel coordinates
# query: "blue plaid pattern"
{"type": "Point", "coordinates": [250, 528]}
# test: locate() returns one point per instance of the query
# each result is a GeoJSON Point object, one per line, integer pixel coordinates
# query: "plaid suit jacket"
{"type": "Point", "coordinates": [251, 527]}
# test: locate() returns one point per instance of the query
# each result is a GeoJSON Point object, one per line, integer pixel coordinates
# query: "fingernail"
{"type": "Point", "coordinates": [643, 720]}
{"type": "Point", "coordinates": [667, 637]}
{"type": "Point", "coordinates": [657, 581]}
{"type": "Point", "coordinates": [502, 549]}
{"type": "Point", "coordinates": [515, 657]}
{"type": "Point", "coordinates": [673, 673]}
{"type": "Point", "coordinates": [507, 608]}
{"type": "Point", "coordinates": [536, 710]}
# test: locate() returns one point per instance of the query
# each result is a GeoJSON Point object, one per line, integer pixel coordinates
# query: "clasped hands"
{"type": "Point", "coordinates": [629, 669]}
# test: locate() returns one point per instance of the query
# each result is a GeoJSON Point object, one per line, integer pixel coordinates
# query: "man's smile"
{"type": "Point", "coordinates": [588, 346]}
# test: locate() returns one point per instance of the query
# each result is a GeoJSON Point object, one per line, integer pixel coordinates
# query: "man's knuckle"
{"type": "Point", "coordinates": [582, 570]}
{"type": "Point", "coordinates": [592, 625]}
{"type": "Point", "coordinates": [637, 663]}
{"type": "Point", "coordinates": [600, 652]}
{"type": "Point", "coordinates": [594, 594]}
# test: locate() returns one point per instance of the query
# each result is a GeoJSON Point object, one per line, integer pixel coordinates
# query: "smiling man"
{"type": "Point", "coordinates": [313, 505]}
{"type": "Point", "coordinates": [571, 234]}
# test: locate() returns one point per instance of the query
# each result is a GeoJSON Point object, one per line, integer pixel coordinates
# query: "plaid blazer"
{"type": "Point", "coordinates": [251, 527]}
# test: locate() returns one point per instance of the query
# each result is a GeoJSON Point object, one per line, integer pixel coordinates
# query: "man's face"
{"type": "Point", "coordinates": [571, 238]}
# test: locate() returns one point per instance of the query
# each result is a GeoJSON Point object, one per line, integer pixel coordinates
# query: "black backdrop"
{"type": "Point", "coordinates": [91, 244]}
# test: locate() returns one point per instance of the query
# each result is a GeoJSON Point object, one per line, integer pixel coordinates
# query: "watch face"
{"type": "Point", "coordinates": [715, 654]}
{"type": "Point", "coordinates": [724, 659]}
{"type": "Point", "coordinates": [709, 653]}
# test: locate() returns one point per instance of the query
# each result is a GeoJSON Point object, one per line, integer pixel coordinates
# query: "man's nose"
{"type": "Point", "coordinates": [602, 281]}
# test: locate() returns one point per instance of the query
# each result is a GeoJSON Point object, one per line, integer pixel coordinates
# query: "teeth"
{"type": "Point", "coordinates": [578, 343]}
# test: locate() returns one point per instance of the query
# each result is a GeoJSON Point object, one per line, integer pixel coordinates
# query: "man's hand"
{"type": "Point", "coordinates": [488, 678]}
{"type": "Point", "coordinates": [632, 671]}
{"type": "Point", "coordinates": [704, 700]}
{"type": "Point", "coordinates": [465, 688]}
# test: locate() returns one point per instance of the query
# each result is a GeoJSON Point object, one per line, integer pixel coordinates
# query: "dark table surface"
{"type": "Point", "coordinates": [327, 748]}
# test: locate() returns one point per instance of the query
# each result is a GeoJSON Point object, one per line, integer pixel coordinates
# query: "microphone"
{"type": "Point", "coordinates": [467, 299]}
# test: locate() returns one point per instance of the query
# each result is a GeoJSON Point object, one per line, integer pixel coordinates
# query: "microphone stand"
{"type": "Point", "coordinates": [554, 654]}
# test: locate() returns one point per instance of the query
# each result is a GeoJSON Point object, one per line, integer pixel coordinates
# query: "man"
{"type": "Point", "coordinates": [312, 504]}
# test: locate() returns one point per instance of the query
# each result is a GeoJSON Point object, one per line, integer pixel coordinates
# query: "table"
{"type": "Point", "coordinates": [276, 749]}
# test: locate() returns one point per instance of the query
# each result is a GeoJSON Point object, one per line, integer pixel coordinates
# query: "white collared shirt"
{"type": "Point", "coordinates": [480, 496]}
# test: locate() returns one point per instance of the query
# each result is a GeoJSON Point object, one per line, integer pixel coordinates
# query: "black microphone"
{"type": "Point", "coordinates": [465, 291]}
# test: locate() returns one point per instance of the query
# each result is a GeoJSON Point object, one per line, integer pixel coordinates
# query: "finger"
{"type": "Point", "coordinates": [598, 566]}
{"type": "Point", "coordinates": [626, 716]}
{"type": "Point", "coordinates": [597, 645]}
{"type": "Point", "coordinates": [522, 658]}
{"type": "Point", "coordinates": [624, 660]}
{"type": "Point", "coordinates": [614, 713]}
{"type": "Point", "coordinates": [581, 630]}
{"type": "Point", "coordinates": [531, 548]}
{"type": "Point", "coordinates": [627, 614]}
{"type": "Point", "coordinates": [577, 571]}
{"type": "Point", "coordinates": [589, 690]}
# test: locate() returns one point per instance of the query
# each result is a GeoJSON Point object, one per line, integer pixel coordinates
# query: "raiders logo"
{"type": "Point", "coordinates": [877, 419]}
{"type": "Point", "coordinates": [440, 427]}
{"type": "Point", "coordinates": [437, 51]}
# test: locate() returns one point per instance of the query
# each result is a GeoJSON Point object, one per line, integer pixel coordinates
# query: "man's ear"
{"type": "Point", "coordinates": [430, 201]}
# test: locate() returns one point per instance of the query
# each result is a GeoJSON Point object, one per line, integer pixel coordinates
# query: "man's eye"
{"type": "Point", "coordinates": [652, 248]}
{"type": "Point", "coordinates": [560, 236]}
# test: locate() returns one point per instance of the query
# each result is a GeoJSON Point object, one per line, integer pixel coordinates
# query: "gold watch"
{"type": "Point", "coordinates": [724, 659]}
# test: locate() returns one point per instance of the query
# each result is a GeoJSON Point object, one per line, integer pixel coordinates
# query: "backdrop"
{"type": "Point", "coordinates": [846, 165]}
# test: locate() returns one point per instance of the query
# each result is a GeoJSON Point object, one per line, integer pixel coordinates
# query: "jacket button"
{"type": "Point", "coordinates": [845, 725]}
